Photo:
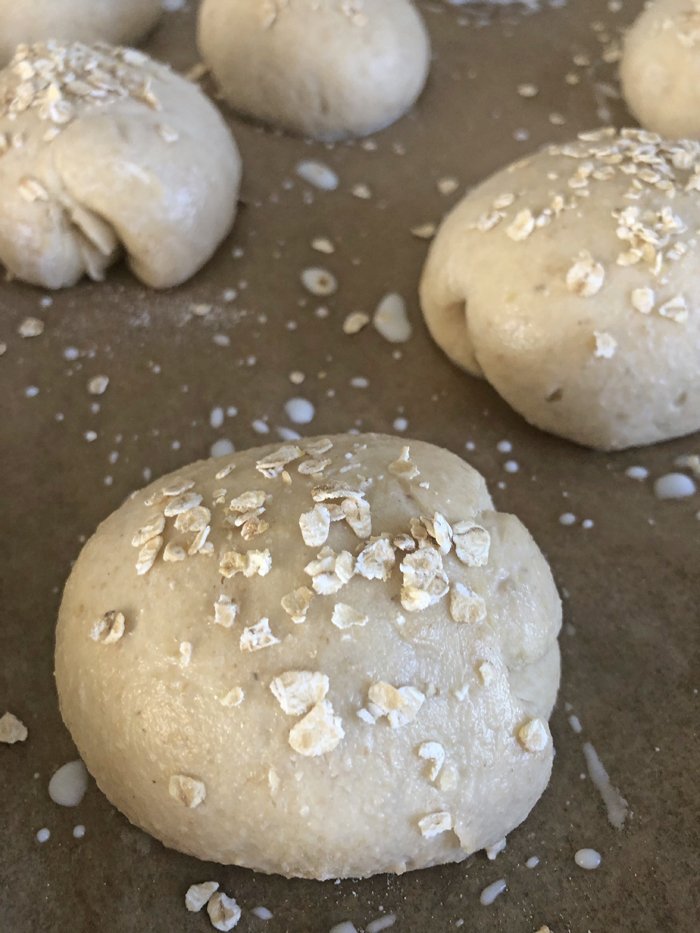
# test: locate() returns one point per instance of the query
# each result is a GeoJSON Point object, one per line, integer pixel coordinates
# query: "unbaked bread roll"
{"type": "Point", "coordinates": [116, 21]}
{"type": "Point", "coordinates": [104, 149]}
{"type": "Point", "coordinates": [322, 68]}
{"type": "Point", "coordinates": [571, 281]}
{"type": "Point", "coordinates": [330, 659]}
{"type": "Point", "coordinates": [660, 68]}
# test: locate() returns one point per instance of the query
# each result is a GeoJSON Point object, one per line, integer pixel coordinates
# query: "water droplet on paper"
{"type": "Point", "coordinates": [588, 859]}
{"type": "Point", "coordinates": [674, 486]}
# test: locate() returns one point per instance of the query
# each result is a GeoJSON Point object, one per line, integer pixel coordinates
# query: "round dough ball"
{"type": "Point", "coordinates": [115, 21]}
{"type": "Point", "coordinates": [660, 68]}
{"type": "Point", "coordinates": [571, 281]}
{"type": "Point", "coordinates": [322, 68]}
{"type": "Point", "coordinates": [271, 660]}
{"type": "Point", "coordinates": [104, 149]}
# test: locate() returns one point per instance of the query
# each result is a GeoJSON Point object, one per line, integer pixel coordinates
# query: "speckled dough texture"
{"type": "Point", "coordinates": [322, 68]}
{"type": "Point", "coordinates": [103, 150]}
{"type": "Point", "coordinates": [116, 21]}
{"type": "Point", "coordinates": [570, 280]}
{"type": "Point", "coordinates": [238, 740]}
{"type": "Point", "coordinates": [660, 68]}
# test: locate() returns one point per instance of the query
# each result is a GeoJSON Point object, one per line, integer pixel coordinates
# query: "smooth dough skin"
{"type": "Point", "coordinates": [571, 281]}
{"type": "Point", "coordinates": [101, 150]}
{"type": "Point", "coordinates": [660, 68]}
{"type": "Point", "coordinates": [116, 21]}
{"type": "Point", "coordinates": [322, 68]}
{"type": "Point", "coordinates": [429, 675]}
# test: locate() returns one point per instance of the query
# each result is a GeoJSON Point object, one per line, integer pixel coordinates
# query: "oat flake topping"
{"type": "Point", "coordinates": [297, 691]}
{"type": "Point", "coordinates": [188, 791]}
{"type": "Point", "coordinates": [318, 733]}
{"type": "Point", "coordinates": [198, 895]}
{"type": "Point", "coordinates": [400, 705]}
{"type": "Point", "coordinates": [296, 604]}
{"type": "Point", "coordinates": [109, 628]}
{"type": "Point", "coordinates": [258, 636]}
{"type": "Point", "coordinates": [434, 824]}
{"type": "Point", "coordinates": [434, 753]}
{"type": "Point", "coordinates": [533, 735]}
{"type": "Point", "coordinates": [345, 616]}
{"type": "Point", "coordinates": [12, 729]}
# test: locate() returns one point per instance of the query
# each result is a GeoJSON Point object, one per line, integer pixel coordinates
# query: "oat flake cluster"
{"type": "Point", "coordinates": [96, 159]}
{"type": "Point", "coordinates": [308, 567]}
{"type": "Point", "coordinates": [591, 329]}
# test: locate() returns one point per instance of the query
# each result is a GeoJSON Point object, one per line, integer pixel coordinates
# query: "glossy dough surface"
{"type": "Point", "coordinates": [116, 21]}
{"type": "Point", "coordinates": [660, 68]}
{"type": "Point", "coordinates": [101, 150]}
{"type": "Point", "coordinates": [322, 68]}
{"type": "Point", "coordinates": [417, 732]}
{"type": "Point", "coordinates": [571, 281]}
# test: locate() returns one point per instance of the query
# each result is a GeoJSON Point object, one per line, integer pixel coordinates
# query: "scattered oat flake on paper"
{"type": "Point", "coordinates": [31, 327]}
{"type": "Point", "coordinates": [198, 895]}
{"type": "Point", "coordinates": [224, 912]}
{"type": "Point", "coordinates": [355, 321]}
{"type": "Point", "coordinates": [12, 729]}
{"type": "Point", "coordinates": [98, 385]}
{"type": "Point", "coordinates": [322, 245]}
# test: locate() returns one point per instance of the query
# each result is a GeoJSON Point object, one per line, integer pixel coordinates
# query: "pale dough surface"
{"type": "Point", "coordinates": [139, 717]}
{"type": "Point", "coordinates": [660, 68]}
{"type": "Point", "coordinates": [571, 281]}
{"type": "Point", "coordinates": [104, 150]}
{"type": "Point", "coordinates": [121, 22]}
{"type": "Point", "coordinates": [322, 68]}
